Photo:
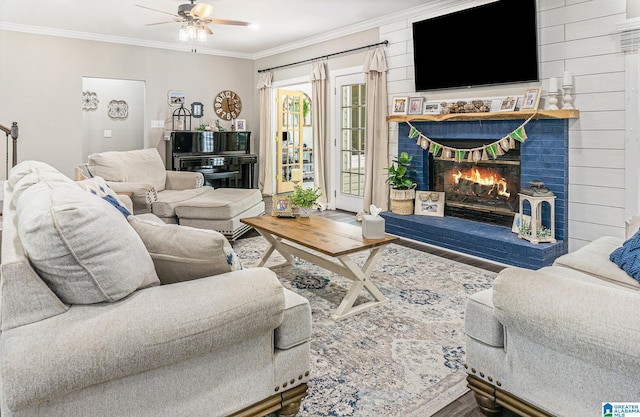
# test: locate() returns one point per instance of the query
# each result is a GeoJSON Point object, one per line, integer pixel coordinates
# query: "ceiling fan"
{"type": "Point", "coordinates": [195, 16]}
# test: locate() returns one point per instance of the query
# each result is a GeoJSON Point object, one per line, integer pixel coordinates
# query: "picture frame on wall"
{"type": "Point", "coordinates": [240, 125]}
{"type": "Point", "coordinates": [415, 105]}
{"type": "Point", "coordinates": [282, 207]}
{"type": "Point", "coordinates": [531, 98]}
{"type": "Point", "coordinates": [399, 105]}
{"type": "Point", "coordinates": [429, 203]}
{"type": "Point", "coordinates": [176, 98]}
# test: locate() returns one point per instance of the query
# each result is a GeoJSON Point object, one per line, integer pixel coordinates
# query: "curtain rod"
{"type": "Point", "coordinates": [324, 56]}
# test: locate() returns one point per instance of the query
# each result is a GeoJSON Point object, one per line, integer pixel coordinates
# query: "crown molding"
{"type": "Point", "coordinates": [39, 30]}
{"type": "Point", "coordinates": [431, 8]}
{"type": "Point", "coordinates": [408, 14]}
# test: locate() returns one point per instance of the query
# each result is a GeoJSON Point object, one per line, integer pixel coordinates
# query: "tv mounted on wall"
{"type": "Point", "coordinates": [494, 43]}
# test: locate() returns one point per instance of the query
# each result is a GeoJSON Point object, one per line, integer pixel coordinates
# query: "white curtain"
{"type": "Point", "coordinates": [318, 123]}
{"type": "Point", "coordinates": [376, 146]}
{"type": "Point", "coordinates": [265, 159]}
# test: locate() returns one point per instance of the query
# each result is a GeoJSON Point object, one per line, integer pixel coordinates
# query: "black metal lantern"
{"type": "Point", "coordinates": [181, 119]}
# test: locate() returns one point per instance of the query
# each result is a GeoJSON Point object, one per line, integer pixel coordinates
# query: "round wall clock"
{"type": "Point", "coordinates": [227, 105]}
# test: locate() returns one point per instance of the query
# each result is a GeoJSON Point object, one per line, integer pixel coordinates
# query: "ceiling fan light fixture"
{"type": "Point", "coordinates": [202, 35]}
{"type": "Point", "coordinates": [191, 32]}
{"type": "Point", "coordinates": [182, 35]}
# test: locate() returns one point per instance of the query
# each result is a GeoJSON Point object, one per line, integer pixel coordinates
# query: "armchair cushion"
{"type": "Point", "coordinates": [81, 245]}
{"type": "Point", "coordinates": [182, 253]}
{"type": "Point", "coordinates": [140, 165]}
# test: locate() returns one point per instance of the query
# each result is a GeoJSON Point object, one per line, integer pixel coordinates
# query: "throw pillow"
{"type": "Point", "coordinates": [182, 253]}
{"type": "Point", "coordinates": [99, 187]}
{"type": "Point", "coordinates": [80, 245]}
{"type": "Point", "coordinates": [627, 257]}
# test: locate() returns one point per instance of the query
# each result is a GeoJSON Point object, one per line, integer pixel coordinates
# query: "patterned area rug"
{"type": "Point", "coordinates": [403, 358]}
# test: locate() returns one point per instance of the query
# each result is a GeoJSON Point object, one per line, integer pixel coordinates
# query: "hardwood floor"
{"type": "Point", "coordinates": [465, 406]}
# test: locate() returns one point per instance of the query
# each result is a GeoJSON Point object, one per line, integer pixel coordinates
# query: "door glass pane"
{"type": "Point", "coordinates": [352, 154]}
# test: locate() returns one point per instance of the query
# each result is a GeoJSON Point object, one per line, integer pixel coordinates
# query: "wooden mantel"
{"type": "Point", "coordinates": [512, 115]}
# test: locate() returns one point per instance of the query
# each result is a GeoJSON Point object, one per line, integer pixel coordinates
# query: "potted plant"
{"type": "Point", "coordinates": [305, 199]}
{"type": "Point", "coordinates": [403, 187]}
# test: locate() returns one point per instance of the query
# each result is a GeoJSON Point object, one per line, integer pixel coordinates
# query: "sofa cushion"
{"type": "Point", "coordinates": [293, 330]}
{"type": "Point", "coordinates": [81, 245]}
{"type": "Point", "coordinates": [27, 173]}
{"type": "Point", "coordinates": [627, 257]}
{"type": "Point", "coordinates": [593, 259]}
{"type": "Point", "coordinates": [480, 321]}
{"type": "Point", "coordinates": [138, 166]}
{"type": "Point", "coordinates": [182, 253]}
{"type": "Point", "coordinates": [219, 204]}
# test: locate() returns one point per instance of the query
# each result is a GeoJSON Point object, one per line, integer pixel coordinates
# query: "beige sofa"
{"type": "Point", "coordinates": [559, 341]}
{"type": "Point", "coordinates": [102, 314]}
{"type": "Point", "coordinates": [174, 196]}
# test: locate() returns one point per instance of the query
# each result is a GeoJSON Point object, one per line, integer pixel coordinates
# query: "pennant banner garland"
{"type": "Point", "coordinates": [492, 150]}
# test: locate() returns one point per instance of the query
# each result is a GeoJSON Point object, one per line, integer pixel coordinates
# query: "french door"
{"type": "Point", "coordinates": [290, 138]}
{"type": "Point", "coordinates": [349, 169]}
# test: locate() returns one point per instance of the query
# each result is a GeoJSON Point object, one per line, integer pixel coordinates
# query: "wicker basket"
{"type": "Point", "coordinates": [402, 201]}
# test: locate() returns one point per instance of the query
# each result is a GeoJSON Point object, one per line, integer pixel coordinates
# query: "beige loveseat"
{"type": "Point", "coordinates": [174, 196]}
{"type": "Point", "coordinates": [559, 341]}
{"type": "Point", "coordinates": [102, 314]}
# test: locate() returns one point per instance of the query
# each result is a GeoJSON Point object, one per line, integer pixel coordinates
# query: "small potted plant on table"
{"type": "Point", "coordinates": [403, 187]}
{"type": "Point", "coordinates": [305, 199]}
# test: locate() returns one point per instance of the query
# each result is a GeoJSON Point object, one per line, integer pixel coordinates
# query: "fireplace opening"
{"type": "Point", "coordinates": [486, 191]}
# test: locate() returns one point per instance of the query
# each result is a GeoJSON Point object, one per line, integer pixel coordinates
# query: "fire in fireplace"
{"type": "Point", "coordinates": [486, 191]}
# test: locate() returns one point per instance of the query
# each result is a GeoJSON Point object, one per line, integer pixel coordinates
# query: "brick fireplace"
{"type": "Point", "coordinates": [543, 156]}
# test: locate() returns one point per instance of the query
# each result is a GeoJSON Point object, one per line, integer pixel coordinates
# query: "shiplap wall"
{"type": "Point", "coordinates": [577, 36]}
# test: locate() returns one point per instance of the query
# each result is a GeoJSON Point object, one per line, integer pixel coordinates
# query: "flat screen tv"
{"type": "Point", "coordinates": [494, 43]}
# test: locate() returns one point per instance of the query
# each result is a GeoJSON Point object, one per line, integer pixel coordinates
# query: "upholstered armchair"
{"type": "Point", "coordinates": [174, 196]}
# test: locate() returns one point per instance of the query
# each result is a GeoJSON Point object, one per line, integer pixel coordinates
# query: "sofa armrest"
{"type": "Point", "coordinates": [593, 322]}
{"type": "Point", "coordinates": [142, 195]}
{"type": "Point", "coordinates": [184, 180]}
{"type": "Point", "coordinates": [152, 328]}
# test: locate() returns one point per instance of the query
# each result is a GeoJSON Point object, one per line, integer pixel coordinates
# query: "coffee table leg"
{"type": "Point", "coordinates": [361, 281]}
{"type": "Point", "coordinates": [274, 244]}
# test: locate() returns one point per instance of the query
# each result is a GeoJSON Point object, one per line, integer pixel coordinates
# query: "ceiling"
{"type": "Point", "coordinates": [281, 24]}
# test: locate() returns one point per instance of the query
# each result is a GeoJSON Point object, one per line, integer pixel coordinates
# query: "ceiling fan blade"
{"type": "Point", "coordinates": [208, 29]}
{"type": "Point", "coordinates": [201, 10]}
{"type": "Point", "coordinates": [228, 22]}
{"type": "Point", "coordinates": [162, 23]}
{"type": "Point", "coordinates": [156, 10]}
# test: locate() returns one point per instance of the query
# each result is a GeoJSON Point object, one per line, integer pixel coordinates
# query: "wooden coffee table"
{"type": "Point", "coordinates": [335, 239]}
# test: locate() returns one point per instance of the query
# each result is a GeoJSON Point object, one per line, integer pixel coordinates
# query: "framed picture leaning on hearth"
{"type": "Point", "coordinates": [429, 203]}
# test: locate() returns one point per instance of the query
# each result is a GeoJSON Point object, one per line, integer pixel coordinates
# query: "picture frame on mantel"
{"type": "Point", "coordinates": [399, 106]}
{"type": "Point", "coordinates": [531, 98]}
{"type": "Point", "coordinates": [508, 103]}
{"type": "Point", "coordinates": [415, 105]}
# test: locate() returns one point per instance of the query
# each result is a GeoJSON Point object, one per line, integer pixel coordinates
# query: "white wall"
{"type": "Point", "coordinates": [581, 37]}
{"type": "Point", "coordinates": [41, 87]}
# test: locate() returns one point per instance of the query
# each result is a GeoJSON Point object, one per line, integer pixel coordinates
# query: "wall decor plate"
{"type": "Point", "coordinates": [118, 109]}
{"type": "Point", "coordinates": [89, 100]}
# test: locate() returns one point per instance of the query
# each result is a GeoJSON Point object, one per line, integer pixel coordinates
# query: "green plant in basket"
{"type": "Point", "coordinates": [398, 178]}
{"type": "Point", "coordinates": [305, 197]}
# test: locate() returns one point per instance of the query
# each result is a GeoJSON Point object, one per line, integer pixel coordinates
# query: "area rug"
{"type": "Point", "coordinates": [403, 358]}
